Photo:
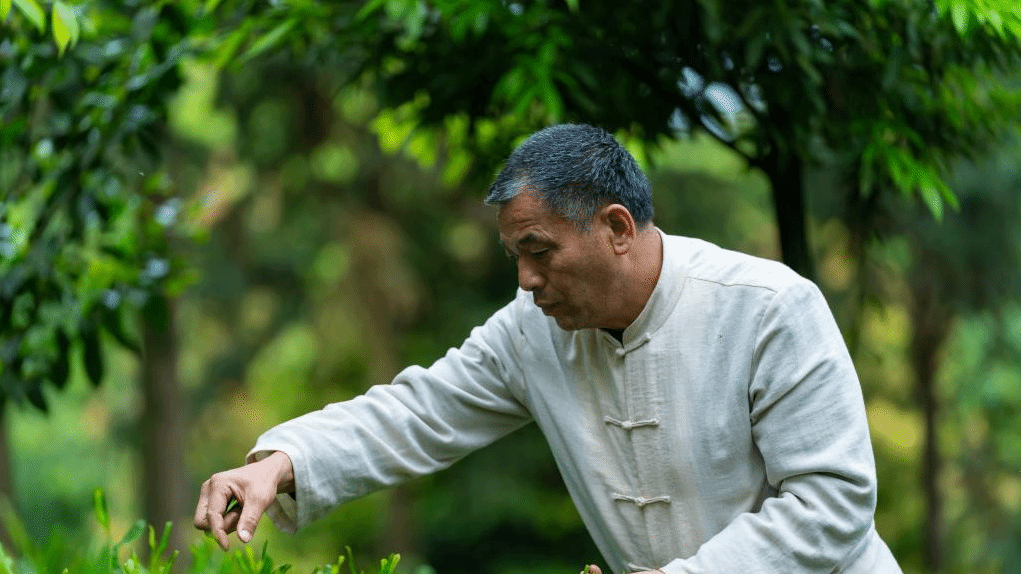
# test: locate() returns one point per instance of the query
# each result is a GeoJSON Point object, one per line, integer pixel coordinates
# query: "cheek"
{"type": "Point", "coordinates": [584, 294]}
{"type": "Point", "coordinates": [582, 279]}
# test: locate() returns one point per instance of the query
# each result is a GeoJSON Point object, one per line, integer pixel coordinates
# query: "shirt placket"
{"type": "Point", "coordinates": [639, 424]}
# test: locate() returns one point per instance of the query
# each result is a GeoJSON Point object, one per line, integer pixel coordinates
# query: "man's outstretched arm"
{"type": "Point", "coordinates": [424, 421]}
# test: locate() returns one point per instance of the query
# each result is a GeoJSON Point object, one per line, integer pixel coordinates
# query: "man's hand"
{"type": "Point", "coordinates": [253, 486]}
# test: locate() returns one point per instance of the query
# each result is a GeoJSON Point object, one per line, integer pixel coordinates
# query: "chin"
{"type": "Point", "coordinates": [567, 324]}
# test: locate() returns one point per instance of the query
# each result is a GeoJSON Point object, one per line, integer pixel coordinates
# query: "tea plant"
{"type": "Point", "coordinates": [206, 556]}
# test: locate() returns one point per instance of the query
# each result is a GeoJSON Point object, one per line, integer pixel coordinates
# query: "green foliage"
{"type": "Point", "coordinates": [66, 29]}
{"type": "Point", "coordinates": [386, 565]}
{"type": "Point", "coordinates": [978, 16]}
{"type": "Point", "coordinates": [122, 557]}
{"type": "Point", "coordinates": [352, 142]}
{"type": "Point", "coordinates": [31, 10]}
{"type": "Point", "coordinates": [65, 26]}
{"type": "Point", "coordinates": [890, 93]}
{"type": "Point", "coordinates": [87, 211]}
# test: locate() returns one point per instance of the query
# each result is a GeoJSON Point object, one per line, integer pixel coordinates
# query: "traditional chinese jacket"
{"type": "Point", "coordinates": [725, 434]}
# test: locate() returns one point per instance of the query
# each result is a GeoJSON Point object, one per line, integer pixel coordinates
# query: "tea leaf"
{"type": "Point", "coordinates": [133, 533]}
{"type": "Point", "coordinates": [99, 505]}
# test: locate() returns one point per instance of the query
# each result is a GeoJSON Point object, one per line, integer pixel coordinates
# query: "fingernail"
{"type": "Point", "coordinates": [245, 535]}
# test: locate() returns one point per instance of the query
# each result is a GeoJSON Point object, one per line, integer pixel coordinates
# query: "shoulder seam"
{"type": "Point", "coordinates": [735, 284]}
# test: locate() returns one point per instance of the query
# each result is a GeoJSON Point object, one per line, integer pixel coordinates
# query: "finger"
{"type": "Point", "coordinates": [593, 569]}
{"type": "Point", "coordinates": [214, 514]}
{"type": "Point", "coordinates": [230, 520]}
{"type": "Point", "coordinates": [201, 509]}
{"type": "Point", "coordinates": [249, 519]}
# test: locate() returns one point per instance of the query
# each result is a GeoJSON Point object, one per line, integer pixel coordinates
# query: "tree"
{"type": "Point", "coordinates": [886, 91]}
{"type": "Point", "coordinates": [88, 220]}
{"type": "Point", "coordinates": [965, 267]}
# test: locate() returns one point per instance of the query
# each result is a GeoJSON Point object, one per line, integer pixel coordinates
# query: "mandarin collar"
{"type": "Point", "coordinates": [665, 294]}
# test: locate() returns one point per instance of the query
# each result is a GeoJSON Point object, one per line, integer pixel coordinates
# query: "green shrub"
{"type": "Point", "coordinates": [122, 557]}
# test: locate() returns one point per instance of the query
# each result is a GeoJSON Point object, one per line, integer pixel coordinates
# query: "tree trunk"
{"type": "Point", "coordinates": [932, 550]}
{"type": "Point", "coordinates": [787, 181]}
{"type": "Point", "coordinates": [6, 478]}
{"type": "Point", "coordinates": [930, 325]}
{"type": "Point", "coordinates": [162, 424]}
{"type": "Point", "coordinates": [384, 298]}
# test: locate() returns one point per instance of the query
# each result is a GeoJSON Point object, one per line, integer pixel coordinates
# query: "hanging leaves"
{"type": "Point", "coordinates": [32, 11]}
{"type": "Point", "coordinates": [78, 236]}
{"type": "Point", "coordinates": [65, 26]}
{"type": "Point", "coordinates": [268, 40]}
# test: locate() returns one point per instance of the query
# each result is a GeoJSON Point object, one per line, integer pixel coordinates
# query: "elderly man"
{"type": "Point", "coordinates": [700, 404]}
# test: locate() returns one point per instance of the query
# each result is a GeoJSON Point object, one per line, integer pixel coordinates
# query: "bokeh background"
{"type": "Point", "coordinates": [215, 216]}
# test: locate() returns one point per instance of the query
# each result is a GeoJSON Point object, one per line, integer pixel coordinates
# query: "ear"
{"type": "Point", "coordinates": [620, 227]}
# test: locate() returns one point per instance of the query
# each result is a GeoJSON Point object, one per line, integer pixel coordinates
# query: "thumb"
{"type": "Point", "coordinates": [593, 569]}
{"type": "Point", "coordinates": [248, 521]}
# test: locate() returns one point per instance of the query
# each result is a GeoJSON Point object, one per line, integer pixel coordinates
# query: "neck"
{"type": "Point", "coordinates": [644, 262]}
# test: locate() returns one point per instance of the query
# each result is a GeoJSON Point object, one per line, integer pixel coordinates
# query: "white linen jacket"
{"type": "Point", "coordinates": [727, 434]}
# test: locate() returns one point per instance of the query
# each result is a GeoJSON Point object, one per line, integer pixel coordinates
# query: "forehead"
{"type": "Point", "coordinates": [524, 217]}
{"type": "Point", "coordinates": [524, 206]}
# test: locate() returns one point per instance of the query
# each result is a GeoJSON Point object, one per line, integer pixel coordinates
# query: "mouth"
{"type": "Point", "coordinates": [547, 308]}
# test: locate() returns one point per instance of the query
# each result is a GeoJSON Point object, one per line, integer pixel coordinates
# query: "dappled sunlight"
{"type": "Point", "coordinates": [895, 430]}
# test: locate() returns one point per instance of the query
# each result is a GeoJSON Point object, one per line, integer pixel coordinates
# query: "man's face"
{"type": "Point", "coordinates": [569, 272]}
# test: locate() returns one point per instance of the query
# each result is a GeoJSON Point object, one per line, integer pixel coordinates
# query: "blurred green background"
{"type": "Point", "coordinates": [219, 215]}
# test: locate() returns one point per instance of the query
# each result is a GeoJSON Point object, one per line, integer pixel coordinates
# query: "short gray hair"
{"type": "Point", "coordinates": [575, 169]}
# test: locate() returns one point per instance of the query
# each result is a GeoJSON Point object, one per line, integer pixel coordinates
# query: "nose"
{"type": "Point", "coordinates": [529, 277]}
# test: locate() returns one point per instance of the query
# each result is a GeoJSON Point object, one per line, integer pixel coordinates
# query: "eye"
{"type": "Point", "coordinates": [539, 254]}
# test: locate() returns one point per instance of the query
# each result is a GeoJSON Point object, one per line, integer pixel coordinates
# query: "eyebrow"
{"type": "Point", "coordinates": [527, 238]}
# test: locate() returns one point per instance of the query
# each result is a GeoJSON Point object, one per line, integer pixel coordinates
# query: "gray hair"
{"type": "Point", "coordinates": [575, 169]}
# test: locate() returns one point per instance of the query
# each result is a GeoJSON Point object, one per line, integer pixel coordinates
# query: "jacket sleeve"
{"type": "Point", "coordinates": [422, 422]}
{"type": "Point", "coordinates": [808, 421]}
